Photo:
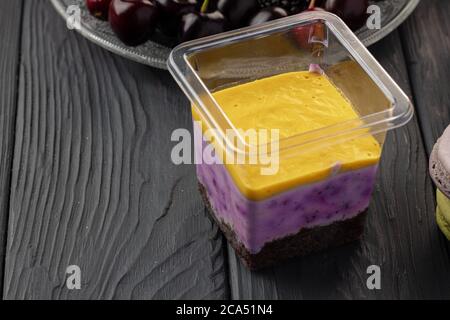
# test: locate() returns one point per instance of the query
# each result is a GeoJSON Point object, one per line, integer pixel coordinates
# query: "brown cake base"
{"type": "Point", "coordinates": [306, 241]}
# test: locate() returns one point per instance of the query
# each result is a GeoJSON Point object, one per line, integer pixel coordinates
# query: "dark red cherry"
{"type": "Point", "coordinates": [238, 12]}
{"type": "Point", "coordinates": [210, 6]}
{"type": "Point", "coordinates": [171, 12]}
{"type": "Point", "coordinates": [98, 8]}
{"type": "Point", "coordinates": [197, 25]}
{"type": "Point", "coordinates": [319, 3]}
{"type": "Point", "coordinates": [353, 12]}
{"type": "Point", "coordinates": [133, 21]}
{"type": "Point", "coordinates": [292, 7]}
{"type": "Point", "coordinates": [177, 7]}
{"type": "Point", "coordinates": [267, 14]}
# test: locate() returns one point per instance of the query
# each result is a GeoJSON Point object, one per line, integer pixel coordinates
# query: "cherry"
{"type": "Point", "coordinates": [171, 12]}
{"type": "Point", "coordinates": [353, 12]}
{"type": "Point", "coordinates": [210, 6]}
{"type": "Point", "coordinates": [319, 3]}
{"type": "Point", "coordinates": [98, 8]}
{"type": "Point", "coordinates": [197, 25]}
{"type": "Point", "coordinates": [295, 7]}
{"type": "Point", "coordinates": [238, 12]}
{"type": "Point", "coordinates": [133, 21]}
{"type": "Point", "coordinates": [177, 7]}
{"type": "Point", "coordinates": [268, 14]}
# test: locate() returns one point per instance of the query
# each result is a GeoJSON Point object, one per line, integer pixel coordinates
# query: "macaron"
{"type": "Point", "coordinates": [443, 213]}
{"type": "Point", "coordinates": [440, 173]}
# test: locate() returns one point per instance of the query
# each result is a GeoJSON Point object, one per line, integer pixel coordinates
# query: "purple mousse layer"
{"type": "Point", "coordinates": [255, 223]}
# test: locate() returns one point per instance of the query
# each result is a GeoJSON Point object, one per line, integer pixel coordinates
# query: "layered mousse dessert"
{"type": "Point", "coordinates": [317, 198]}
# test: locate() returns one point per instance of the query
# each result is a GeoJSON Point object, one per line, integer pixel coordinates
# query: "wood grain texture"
{"type": "Point", "coordinates": [426, 41]}
{"type": "Point", "coordinates": [92, 182]}
{"type": "Point", "coordinates": [10, 22]}
{"type": "Point", "coordinates": [401, 234]}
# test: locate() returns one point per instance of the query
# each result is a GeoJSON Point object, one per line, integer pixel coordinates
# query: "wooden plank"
{"type": "Point", "coordinates": [401, 235]}
{"type": "Point", "coordinates": [426, 40]}
{"type": "Point", "coordinates": [93, 184]}
{"type": "Point", "coordinates": [10, 22]}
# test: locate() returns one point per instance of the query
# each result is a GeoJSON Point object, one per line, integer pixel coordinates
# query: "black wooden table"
{"type": "Point", "coordinates": [86, 178]}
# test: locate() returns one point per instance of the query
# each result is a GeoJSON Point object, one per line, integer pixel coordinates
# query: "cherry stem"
{"type": "Point", "coordinates": [312, 4]}
{"type": "Point", "coordinates": [205, 6]}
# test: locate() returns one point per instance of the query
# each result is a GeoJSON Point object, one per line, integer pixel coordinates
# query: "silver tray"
{"type": "Point", "coordinates": [393, 13]}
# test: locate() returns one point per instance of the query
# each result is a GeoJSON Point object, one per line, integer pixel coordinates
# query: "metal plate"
{"type": "Point", "coordinates": [393, 13]}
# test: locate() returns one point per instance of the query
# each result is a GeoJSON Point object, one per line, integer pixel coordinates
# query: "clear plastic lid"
{"type": "Point", "coordinates": [295, 43]}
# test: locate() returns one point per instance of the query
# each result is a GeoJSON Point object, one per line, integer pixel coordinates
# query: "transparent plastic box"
{"type": "Point", "coordinates": [303, 215]}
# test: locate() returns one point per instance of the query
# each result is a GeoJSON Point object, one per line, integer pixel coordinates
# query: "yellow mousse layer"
{"type": "Point", "coordinates": [293, 103]}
